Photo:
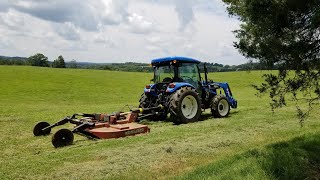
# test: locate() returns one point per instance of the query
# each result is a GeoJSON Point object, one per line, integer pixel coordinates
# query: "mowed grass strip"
{"type": "Point", "coordinates": [297, 158]}
{"type": "Point", "coordinates": [32, 94]}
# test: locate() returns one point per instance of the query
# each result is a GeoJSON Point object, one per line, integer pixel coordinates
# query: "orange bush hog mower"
{"type": "Point", "coordinates": [98, 126]}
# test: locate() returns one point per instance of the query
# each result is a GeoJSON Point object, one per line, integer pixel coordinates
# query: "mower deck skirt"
{"type": "Point", "coordinates": [106, 131]}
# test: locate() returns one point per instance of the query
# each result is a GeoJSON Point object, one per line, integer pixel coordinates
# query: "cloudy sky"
{"type": "Point", "coordinates": [118, 30]}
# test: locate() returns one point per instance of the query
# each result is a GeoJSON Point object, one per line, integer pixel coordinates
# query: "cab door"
{"type": "Point", "coordinates": [189, 72]}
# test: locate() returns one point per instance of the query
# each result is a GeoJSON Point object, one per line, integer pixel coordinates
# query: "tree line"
{"type": "Point", "coordinates": [42, 61]}
{"type": "Point", "coordinates": [37, 60]}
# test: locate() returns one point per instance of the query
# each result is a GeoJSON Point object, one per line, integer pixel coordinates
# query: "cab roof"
{"type": "Point", "coordinates": [179, 59]}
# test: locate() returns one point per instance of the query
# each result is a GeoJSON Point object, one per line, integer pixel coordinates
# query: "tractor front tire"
{"type": "Point", "coordinates": [220, 106]}
{"type": "Point", "coordinates": [185, 106]}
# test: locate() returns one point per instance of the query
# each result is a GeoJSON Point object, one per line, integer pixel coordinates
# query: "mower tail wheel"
{"type": "Point", "coordinates": [38, 129]}
{"type": "Point", "coordinates": [220, 106]}
{"type": "Point", "coordinates": [61, 138]}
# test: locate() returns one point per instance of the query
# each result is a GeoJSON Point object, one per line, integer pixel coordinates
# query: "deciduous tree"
{"type": "Point", "coordinates": [285, 33]}
{"type": "Point", "coordinates": [38, 60]}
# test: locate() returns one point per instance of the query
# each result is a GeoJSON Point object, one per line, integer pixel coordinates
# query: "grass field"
{"type": "Point", "coordinates": [252, 143]}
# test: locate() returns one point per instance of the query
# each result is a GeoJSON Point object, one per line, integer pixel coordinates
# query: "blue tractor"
{"type": "Point", "coordinates": [179, 88]}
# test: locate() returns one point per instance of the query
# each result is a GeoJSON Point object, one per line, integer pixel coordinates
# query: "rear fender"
{"type": "Point", "coordinates": [150, 90]}
{"type": "Point", "coordinates": [178, 86]}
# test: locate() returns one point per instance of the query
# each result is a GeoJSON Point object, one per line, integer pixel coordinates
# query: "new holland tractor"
{"type": "Point", "coordinates": [179, 88]}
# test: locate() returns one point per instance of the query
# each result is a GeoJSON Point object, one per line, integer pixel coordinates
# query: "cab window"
{"type": "Point", "coordinates": [189, 73]}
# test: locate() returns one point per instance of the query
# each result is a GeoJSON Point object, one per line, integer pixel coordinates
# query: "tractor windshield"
{"type": "Point", "coordinates": [163, 74]}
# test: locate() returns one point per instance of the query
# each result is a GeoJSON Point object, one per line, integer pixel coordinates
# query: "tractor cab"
{"type": "Point", "coordinates": [176, 71]}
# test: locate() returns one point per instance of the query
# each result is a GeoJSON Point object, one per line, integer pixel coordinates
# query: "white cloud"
{"type": "Point", "coordinates": [114, 12]}
{"type": "Point", "coordinates": [104, 40]}
{"type": "Point", "coordinates": [5, 43]}
{"type": "Point", "coordinates": [12, 19]}
{"type": "Point", "coordinates": [118, 30]}
{"type": "Point", "coordinates": [138, 24]}
{"type": "Point", "coordinates": [85, 14]}
{"type": "Point", "coordinates": [154, 39]}
{"type": "Point", "coordinates": [184, 9]}
{"type": "Point", "coordinates": [68, 31]}
{"type": "Point", "coordinates": [4, 5]}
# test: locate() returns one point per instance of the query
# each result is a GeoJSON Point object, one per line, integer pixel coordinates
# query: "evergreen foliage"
{"type": "Point", "coordinates": [59, 63]}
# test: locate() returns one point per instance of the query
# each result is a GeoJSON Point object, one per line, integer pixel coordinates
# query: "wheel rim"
{"type": "Point", "coordinates": [189, 107]}
{"type": "Point", "coordinates": [223, 107]}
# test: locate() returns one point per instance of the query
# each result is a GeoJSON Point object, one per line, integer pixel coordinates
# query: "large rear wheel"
{"type": "Point", "coordinates": [185, 105]}
{"type": "Point", "coordinates": [220, 106]}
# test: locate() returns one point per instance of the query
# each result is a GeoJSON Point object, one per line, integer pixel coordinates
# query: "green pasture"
{"type": "Point", "coordinates": [252, 143]}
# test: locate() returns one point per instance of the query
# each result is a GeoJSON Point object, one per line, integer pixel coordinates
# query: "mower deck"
{"type": "Point", "coordinates": [106, 131]}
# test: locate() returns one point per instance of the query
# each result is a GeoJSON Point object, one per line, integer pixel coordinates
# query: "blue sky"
{"type": "Point", "coordinates": [119, 30]}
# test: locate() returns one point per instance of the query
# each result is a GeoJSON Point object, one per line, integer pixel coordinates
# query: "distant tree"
{"type": "Point", "coordinates": [73, 64]}
{"type": "Point", "coordinates": [218, 65]}
{"type": "Point", "coordinates": [38, 60]}
{"type": "Point", "coordinates": [19, 62]}
{"type": "Point", "coordinates": [59, 63]}
{"type": "Point", "coordinates": [286, 34]}
{"type": "Point", "coordinates": [107, 67]}
{"type": "Point", "coordinates": [3, 62]}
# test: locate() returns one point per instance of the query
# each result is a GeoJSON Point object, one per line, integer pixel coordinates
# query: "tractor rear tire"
{"type": "Point", "coordinates": [185, 106]}
{"type": "Point", "coordinates": [147, 102]}
{"type": "Point", "coordinates": [63, 137]}
{"type": "Point", "coordinates": [220, 106]}
{"type": "Point", "coordinates": [144, 101]}
{"type": "Point", "coordinates": [37, 130]}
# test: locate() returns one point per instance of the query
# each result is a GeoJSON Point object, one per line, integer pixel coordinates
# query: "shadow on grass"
{"type": "Point", "coordinates": [203, 117]}
{"type": "Point", "coordinates": [298, 158]}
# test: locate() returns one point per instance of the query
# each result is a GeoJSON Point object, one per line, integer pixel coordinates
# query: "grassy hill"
{"type": "Point", "coordinates": [253, 143]}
